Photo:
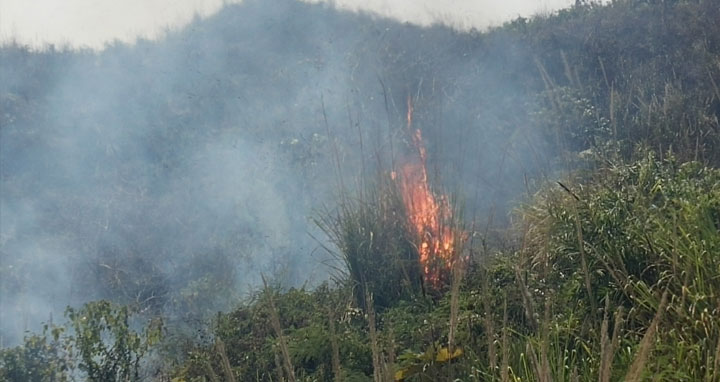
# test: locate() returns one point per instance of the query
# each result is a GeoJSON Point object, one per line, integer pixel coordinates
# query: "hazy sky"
{"type": "Point", "coordinates": [94, 22]}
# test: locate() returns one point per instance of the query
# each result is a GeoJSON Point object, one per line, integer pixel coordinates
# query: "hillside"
{"type": "Point", "coordinates": [164, 182]}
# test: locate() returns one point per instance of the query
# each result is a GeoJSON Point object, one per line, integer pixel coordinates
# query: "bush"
{"type": "Point", "coordinates": [39, 359]}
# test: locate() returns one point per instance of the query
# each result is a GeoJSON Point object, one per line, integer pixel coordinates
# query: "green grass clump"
{"type": "Point", "coordinates": [373, 242]}
{"type": "Point", "coordinates": [644, 228]}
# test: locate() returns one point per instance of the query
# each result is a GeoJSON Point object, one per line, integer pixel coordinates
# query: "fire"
{"type": "Point", "coordinates": [429, 215]}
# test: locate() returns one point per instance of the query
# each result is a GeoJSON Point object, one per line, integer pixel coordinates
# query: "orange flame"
{"type": "Point", "coordinates": [429, 215]}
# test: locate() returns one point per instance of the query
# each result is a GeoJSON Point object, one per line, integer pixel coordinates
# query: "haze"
{"type": "Point", "coordinates": [86, 23]}
{"type": "Point", "coordinates": [145, 173]}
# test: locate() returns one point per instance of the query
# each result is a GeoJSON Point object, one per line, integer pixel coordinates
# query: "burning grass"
{"type": "Point", "coordinates": [431, 219]}
{"type": "Point", "coordinates": [397, 237]}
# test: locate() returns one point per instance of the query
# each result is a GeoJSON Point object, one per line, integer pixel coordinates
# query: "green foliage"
{"type": "Point", "coordinates": [571, 120]}
{"type": "Point", "coordinates": [646, 227]}
{"type": "Point", "coordinates": [649, 226]}
{"type": "Point", "coordinates": [98, 342]}
{"type": "Point", "coordinates": [648, 70]}
{"type": "Point", "coordinates": [253, 351]}
{"type": "Point", "coordinates": [39, 359]}
{"type": "Point", "coordinates": [108, 348]}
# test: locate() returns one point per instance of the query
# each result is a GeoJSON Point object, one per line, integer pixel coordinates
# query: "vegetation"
{"type": "Point", "coordinates": [39, 359]}
{"type": "Point", "coordinates": [98, 344]}
{"type": "Point", "coordinates": [643, 304]}
{"type": "Point", "coordinates": [374, 245]}
{"type": "Point", "coordinates": [608, 271]}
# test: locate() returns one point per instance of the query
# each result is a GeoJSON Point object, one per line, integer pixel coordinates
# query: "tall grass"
{"type": "Point", "coordinates": [277, 327]}
{"type": "Point", "coordinates": [372, 242]}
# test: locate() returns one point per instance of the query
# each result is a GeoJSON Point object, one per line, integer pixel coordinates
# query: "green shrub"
{"type": "Point", "coordinates": [39, 359]}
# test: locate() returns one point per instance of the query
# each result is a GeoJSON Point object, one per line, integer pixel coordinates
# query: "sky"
{"type": "Point", "coordinates": [93, 23]}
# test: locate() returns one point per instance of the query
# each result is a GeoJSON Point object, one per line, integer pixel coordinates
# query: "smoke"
{"type": "Point", "coordinates": [170, 174]}
{"type": "Point", "coordinates": [79, 24]}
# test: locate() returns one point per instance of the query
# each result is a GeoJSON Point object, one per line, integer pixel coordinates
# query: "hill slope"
{"type": "Point", "coordinates": [167, 175]}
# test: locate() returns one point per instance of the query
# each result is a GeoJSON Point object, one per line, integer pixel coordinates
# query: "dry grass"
{"type": "Point", "coordinates": [374, 345]}
{"type": "Point", "coordinates": [282, 341]}
{"type": "Point", "coordinates": [609, 343]}
{"type": "Point", "coordinates": [335, 348]}
{"type": "Point", "coordinates": [225, 362]}
{"type": "Point", "coordinates": [489, 324]}
{"type": "Point", "coordinates": [457, 273]}
{"type": "Point", "coordinates": [637, 367]}
{"type": "Point", "coordinates": [505, 367]}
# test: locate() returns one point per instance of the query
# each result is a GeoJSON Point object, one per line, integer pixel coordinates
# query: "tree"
{"type": "Point", "coordinates": [107, 347]}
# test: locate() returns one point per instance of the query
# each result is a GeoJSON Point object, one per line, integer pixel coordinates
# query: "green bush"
{"type": "Point", "coordinates": [107, 347]}
{"type": "Point", "coordinates": [98, 343]}
{"type": "Point", "coordinates": [39, 359]}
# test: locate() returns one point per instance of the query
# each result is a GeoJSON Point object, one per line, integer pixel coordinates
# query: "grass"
{"type": "Point", "coordinates": [373, 243]}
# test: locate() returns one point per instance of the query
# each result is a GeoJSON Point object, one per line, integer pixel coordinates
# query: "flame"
{"type": "Point", "coordinates": [429, 215]}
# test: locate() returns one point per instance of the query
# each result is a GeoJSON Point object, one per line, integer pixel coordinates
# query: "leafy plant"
{"type": "Point", "coordinates": [41, 358]}
{"type": "Point", "coordinates": [107, 347]}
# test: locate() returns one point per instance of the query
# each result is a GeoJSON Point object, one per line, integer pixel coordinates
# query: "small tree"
{"type": "Point", "coordinates": [38, 359]}
{"type": "Point", "coordinates": [108, 349]}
